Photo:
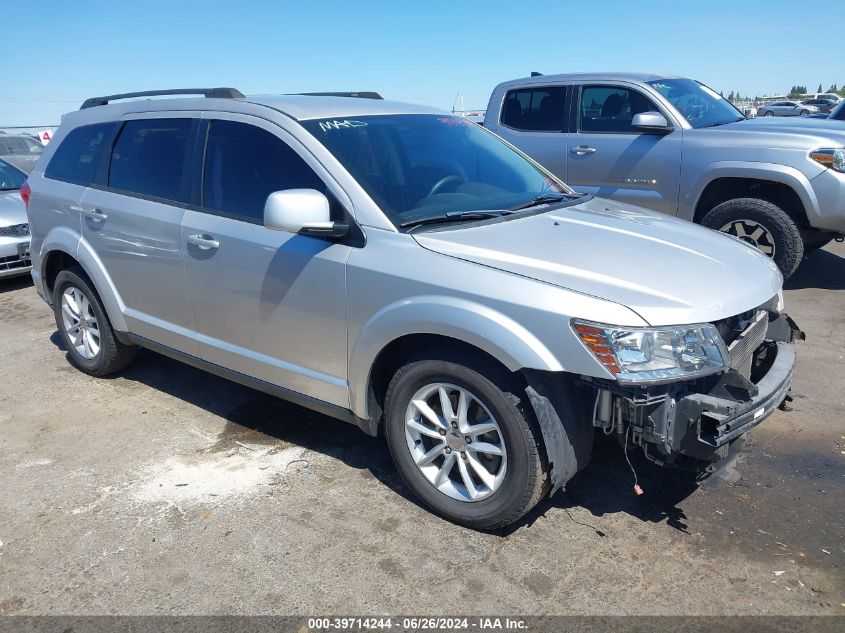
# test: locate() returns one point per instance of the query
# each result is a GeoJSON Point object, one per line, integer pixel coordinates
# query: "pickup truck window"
{"type": "Point", "coordinates": [539, 109]}
{"type": "Point", "coordinates": [699, 105]}
{"type": "Point", "coordinates": [611, 108]}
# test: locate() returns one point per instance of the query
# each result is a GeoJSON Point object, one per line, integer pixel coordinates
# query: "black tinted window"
{"type": "Point", "coordinates": [80, 154]}
{"type": "Point", "coordinates": [150, 157]}
{"type": "Point", "coordinates": [244, 164]}
{"type": "Point", "coordinates": [538, 109]}
{"type": "Point", "coordinates": [611, 109]}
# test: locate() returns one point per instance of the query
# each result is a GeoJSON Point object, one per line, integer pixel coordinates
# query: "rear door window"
{"type": "Point", "coordinates": [540, 109]}
{"type": "Point", "coordinates": [80, 154]}
{"type": "Point", "coordinates": [611, 108]}
{"type": "Point", "coordinates": [151, 158]}
{"type": "Point", "coordinates": [244, 164]}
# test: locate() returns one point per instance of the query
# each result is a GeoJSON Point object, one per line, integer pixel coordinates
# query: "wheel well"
{"type": "Point", "coordinates": [57, 261]}
{"type": "Point", "coordinates": [724, 189]}
{"type": "Point", "coordinates": [400, 350]}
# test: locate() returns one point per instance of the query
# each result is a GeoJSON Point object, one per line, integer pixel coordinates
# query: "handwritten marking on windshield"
{"type": "Point", "coordinates": [326, 126]}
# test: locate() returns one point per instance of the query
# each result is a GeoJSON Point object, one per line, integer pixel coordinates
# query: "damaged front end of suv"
{"type": "Point", "coordinates": [685, 395]}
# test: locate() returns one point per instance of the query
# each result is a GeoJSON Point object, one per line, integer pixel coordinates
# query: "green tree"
{"type": "Point", "coordinates": [820, 89]}
{"type": "Point", "coordinates": [833, 88]}
{"type": "Point", "coordinates": [731, 96]}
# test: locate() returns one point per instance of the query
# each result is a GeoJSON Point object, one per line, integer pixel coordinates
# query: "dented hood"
{"type": "Point", "coordinates": [667, 270]}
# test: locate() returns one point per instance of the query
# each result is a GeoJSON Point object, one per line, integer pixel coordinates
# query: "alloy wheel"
{"type": "Point", "coordinates": [455, 442]}
{"type": "Point", "coordinates": [752, 232]}
{"type": "Point", "coordinates": [80, 323]}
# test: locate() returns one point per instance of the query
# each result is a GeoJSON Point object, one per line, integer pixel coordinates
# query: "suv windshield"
{"type": "Point", "coordinates": [417, 166]}
{"type": "Point", "coordinates": [838, 112]}
{"type": "Point", "coordinates": [699, 105]}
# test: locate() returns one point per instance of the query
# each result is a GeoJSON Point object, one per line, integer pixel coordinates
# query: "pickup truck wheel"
{"type": "Point", "coordinates": [761, 224]}
{"type": "Point", "coordinates": [85, 328]}
{"type": "Point", "coordinates": [464, 440]}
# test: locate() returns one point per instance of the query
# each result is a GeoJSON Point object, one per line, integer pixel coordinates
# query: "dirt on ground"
{"type": "Point", "coordinates": [166, 490]}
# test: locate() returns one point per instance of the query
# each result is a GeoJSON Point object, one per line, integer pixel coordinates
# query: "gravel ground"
{"type": "Point", "coordinates": [169, 491]}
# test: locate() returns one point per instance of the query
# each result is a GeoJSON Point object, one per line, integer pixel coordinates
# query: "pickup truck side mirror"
{"type": "Point", "coordinates": [651, 122]}
{"type": "Point", "coordinates": [302, 211]}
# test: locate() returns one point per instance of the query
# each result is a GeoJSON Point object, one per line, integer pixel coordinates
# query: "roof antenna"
{"type": "Point", "coordinates": [534, 73]}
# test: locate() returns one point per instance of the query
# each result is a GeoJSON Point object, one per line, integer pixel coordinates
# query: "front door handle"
{"type": "Point", "coordinates": [95, 214]}
{"type": "Point", "coordinates": [205, 242]}
{"type": "Point", "coordinates": [582, 150]}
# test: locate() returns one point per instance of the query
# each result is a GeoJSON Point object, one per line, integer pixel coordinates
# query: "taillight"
{"type": "Point", "coordinates": [25, 193]}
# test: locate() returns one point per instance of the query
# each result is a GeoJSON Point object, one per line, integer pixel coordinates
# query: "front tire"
{"type": "Point", "coordinates": [463, 437]}
{"type": "Point", "coordinates": [763, 225]}
{"type": "Point", "coordinates": [84, 327]}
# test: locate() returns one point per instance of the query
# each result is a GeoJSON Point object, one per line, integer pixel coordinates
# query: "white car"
{"type": "Point", "coordinates": [14, 226]}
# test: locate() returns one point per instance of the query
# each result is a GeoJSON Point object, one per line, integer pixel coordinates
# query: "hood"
{"type": "Point", "coordinates": [12, 208]}
{"type": "Point", "coordinates": [785, 132]}
{"type": "Point", "coordinates": [667, 270]}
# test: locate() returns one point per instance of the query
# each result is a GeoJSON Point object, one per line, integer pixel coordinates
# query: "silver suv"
{"type": "Point", "coordinates": [674, 145]}
{"type": "Point", "coordinates": [404, 270]}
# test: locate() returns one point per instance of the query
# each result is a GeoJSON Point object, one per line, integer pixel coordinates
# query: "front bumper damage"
{"type": "Point", "coordinates": [695, 424]}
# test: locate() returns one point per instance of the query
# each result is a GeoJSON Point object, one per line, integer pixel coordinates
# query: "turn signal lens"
{"type": "Point", "coordinates": [833, 158]}
{"type": "Point", "coordinates": [25, 193]}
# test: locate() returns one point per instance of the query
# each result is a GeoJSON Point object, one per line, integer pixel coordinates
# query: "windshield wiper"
{"type": "Point", "coordinates": [742, 118]}
{"type": "Point", "coordinates": [452, 216]}
{"type": "Point", "coordinates": [546, 198]}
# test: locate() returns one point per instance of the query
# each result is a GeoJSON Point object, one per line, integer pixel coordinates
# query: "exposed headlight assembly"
{"type": "Point", "coordinates": [654, 355]}
{"type": "Point", "coordinates": [833, 158]}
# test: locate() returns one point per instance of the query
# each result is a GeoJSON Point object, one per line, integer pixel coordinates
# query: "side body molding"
{"type": "Point", "coordinates": [498, 335]}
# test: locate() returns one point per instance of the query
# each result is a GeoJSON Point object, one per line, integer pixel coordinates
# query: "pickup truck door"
{"type": "Point", "coordinates": [610, 159]}
{"type": "Point", "coordinates": [269, 304]}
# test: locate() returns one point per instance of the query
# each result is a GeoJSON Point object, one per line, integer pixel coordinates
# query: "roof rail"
{"type": "Point", "coordinates": [359, 95]}
{"type": "Point", "coordinates": [219, 93]}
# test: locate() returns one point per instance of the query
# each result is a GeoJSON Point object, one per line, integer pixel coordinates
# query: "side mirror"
{"type": "Point", "coordinates": [652, 122]}
{"type": "Point", "coordinates": [302, 211]}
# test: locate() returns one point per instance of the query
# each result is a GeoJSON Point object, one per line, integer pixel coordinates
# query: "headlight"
{"type": "Point", "coordinates": [833, 158]}
{"type": "Point", "coordinates": [651, 355]}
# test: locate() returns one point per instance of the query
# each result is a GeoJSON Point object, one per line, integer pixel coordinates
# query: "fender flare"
{"type": "Point", "coordinates": [480, 326]}
{"type": "Point", "coordinates": [68, 241]}
{"type": "Point", "coordinates": [783, 174]}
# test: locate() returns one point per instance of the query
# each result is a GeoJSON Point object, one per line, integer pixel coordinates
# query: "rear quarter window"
{"type": "Point", "coordinates": [80, 154]}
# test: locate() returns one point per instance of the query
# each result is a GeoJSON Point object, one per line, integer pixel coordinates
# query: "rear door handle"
{"type": "Point", "coordinates": [205, 242]}
{"type": "Point", "coordinates": [95, 214]}
{"type": "Point", "coordinates": [581, 150]}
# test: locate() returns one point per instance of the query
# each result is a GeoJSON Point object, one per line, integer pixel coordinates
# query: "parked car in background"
{"type": "Point", "coordinates": [822, 105]}
{"type": "Point", "coordinates": [786, 108]}
{"type": "Point", "coordinates": [837, 114]}
{"type": "Point", "coordinates": [830, 96]}
{"type": "Point", "coordinates": [14, 225]}
{"type": "Point", "coordinates": [674, 145]}
{"type": "Point", "coordinates": [21, 150]}
{"type": "Point", "coordinates": [405, 270]}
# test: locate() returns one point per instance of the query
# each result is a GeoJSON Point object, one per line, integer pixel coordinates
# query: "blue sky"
{"type": "Point", "coordinates": [59, 52]}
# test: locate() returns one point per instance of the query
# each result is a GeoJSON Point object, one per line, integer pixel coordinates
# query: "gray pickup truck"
{"type": "Point", "coordinates": [674, 145]}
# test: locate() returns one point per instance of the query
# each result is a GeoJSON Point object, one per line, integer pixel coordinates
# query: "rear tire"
{"type": "Point", "coordinates": [518, 476]}
{"type": "Point", "coordinates": [769, 113]}
{"type": "Point", "coordinates": [762, 224]}
{"type": "Point", "coordinates": [84, 326]}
